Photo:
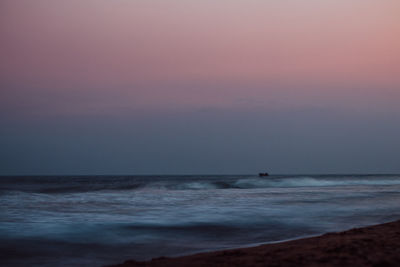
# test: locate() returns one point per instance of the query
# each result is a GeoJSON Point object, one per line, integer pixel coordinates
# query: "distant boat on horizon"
{"type": "Point", "coordinates": [263, 174]}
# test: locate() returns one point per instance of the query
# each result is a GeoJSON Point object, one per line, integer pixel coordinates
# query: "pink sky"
{"type": "Point", "coordinates": [199, 86]}
{"type": "Point", "coordinates": [100, 55]}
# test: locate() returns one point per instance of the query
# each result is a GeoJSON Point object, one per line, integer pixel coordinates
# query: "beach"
{"type": "Point", "coordinates": [377, 245]}
{"type": "Point", "coordinates": [199, 133]}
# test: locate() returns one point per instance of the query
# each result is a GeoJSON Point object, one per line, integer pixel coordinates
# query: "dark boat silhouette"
{"type": "Point", "coordinates": [263, 174]}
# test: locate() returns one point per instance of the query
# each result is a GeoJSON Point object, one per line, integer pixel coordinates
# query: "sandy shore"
{"type": "Point", "coordinates": [370, 246]}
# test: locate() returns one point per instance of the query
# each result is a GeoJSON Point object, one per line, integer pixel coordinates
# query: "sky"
{"type": "Point", "coordinates": [199, 87]}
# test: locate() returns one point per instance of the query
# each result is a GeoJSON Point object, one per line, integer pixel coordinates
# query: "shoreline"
{"type": "Point", "coordinates": [377, 245]}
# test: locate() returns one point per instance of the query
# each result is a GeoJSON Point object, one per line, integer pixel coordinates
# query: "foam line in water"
{"type": "Point", "coordinates": [309, 182]}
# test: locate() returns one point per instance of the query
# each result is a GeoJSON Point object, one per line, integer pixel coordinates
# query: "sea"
{"type": "Point", "coordinates": [102, 220]}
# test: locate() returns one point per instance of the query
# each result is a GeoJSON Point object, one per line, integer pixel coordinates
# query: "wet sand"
{"type": "Point", "coordinates": [377, 245]}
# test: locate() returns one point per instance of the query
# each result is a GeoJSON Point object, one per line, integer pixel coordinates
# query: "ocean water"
{"type": "Point", "coordinates": [99, 220]}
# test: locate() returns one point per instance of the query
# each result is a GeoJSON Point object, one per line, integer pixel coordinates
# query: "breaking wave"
{"type": "Point", "coordinates": [81, 185]}
{"type": "Point", "coordinates": [254, 183]}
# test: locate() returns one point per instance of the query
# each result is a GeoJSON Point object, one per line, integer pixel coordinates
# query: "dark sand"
{"type": "Point", "coordinates": [370, 246]}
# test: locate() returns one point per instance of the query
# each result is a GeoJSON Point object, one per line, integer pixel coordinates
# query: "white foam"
{"type": "Point", "coordinates": [196, 186]}
{"type": "Point", "coordinates": [309, 182]}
